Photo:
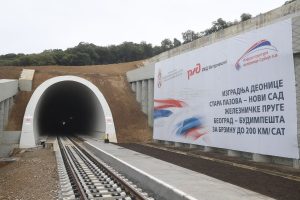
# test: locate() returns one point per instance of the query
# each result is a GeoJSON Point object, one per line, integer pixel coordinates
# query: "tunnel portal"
{"type": "Point", "coordinates": [68, 108]}
{"type": "Point", "coordinates": [66, 105]}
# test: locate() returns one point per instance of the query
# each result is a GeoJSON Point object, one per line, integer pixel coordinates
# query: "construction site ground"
{"type": "Point", "coordinates": [32, 176]}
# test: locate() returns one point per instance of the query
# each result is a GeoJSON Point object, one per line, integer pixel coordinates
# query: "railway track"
{"type": "Point", "coordinates": [83, 176]}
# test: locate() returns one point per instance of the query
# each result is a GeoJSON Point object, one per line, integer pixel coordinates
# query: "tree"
{"type": "Point", "coordinates": [103, 55]}
{"type": "Point", "coordinates": [58, 55]}
{"type": "Point", "coordinates": [166, 44]}
{"type": "Point", "coordinates": [87, 48]}
{"type": "Point", "coordinates": [245, 16]}
{"type": "Point", "coordinates": [9, 56]}
{"type": "Point", "coordinates": [218, 25]}
{"type": "Point", "coordinates": [81, 59]}
{"type": "Point", "coordinates": [157, 50]}
{"type": "Point", "coordinates": [88, 53]}
{"type": "Point", "coordinates": [147, 49]}
{"type": "Point", "coordinates": [189, 36]}
{"type": "Point", "coordinates": [176, 42]}
{"type": "Point", "coordinates": [25, 61]}
{"type": "Point", "coordinates": [67, 59]}
{"type": "Point", "coordinates": [287, 2]}
{"type": "Point", "coordinates": [44, 58]}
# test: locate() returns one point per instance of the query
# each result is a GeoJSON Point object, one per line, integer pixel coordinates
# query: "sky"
{"type": "Point", "coordinates": [31, 26]}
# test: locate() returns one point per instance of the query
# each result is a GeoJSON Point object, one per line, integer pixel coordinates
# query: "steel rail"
{"type": "Point", "coordinates": [127, 187]}
{"type": "Point", "coordinates": [72, 174]}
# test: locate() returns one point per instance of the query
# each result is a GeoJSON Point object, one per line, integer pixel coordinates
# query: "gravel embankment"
{"type": "Point", "coordinates": [33, 176]}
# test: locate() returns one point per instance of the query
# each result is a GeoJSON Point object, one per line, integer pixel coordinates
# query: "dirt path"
{"type": "Point", "coordinates": [33, 176]}
{"type": "Point", "coordinates": [269, 185]}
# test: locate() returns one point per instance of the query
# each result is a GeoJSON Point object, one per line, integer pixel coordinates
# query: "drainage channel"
{"type": "Point", "coordinates": [82, 176]}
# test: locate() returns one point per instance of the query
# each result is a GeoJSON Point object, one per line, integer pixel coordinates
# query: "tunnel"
{"type": "Point", "coordinates": [65, 106]}
{"type": "Point", "coordinates": [69, 108]}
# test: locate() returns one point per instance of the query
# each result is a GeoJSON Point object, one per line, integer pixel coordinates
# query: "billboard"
{"type": "Point", "coordinates": [237, 94]}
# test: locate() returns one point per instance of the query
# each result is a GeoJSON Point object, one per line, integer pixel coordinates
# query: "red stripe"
{"type": "Point", "coordinates": [194, 133]}
{"type": "Point", "coordinates": [164, 106]}
{"type": "Point", "coordinates": [250, 49]}
{"type": "Point", "coordinates": [173, 102]}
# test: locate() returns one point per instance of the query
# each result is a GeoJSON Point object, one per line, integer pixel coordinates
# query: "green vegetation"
{"type": "Point", "coordinates": [287, 2]}
{"type": "Point", "coordinates": [90, 54]}
{"type": "Point", "coordinates": [218, 25]}
{"type": "Point", "coordinates": [84, 54]}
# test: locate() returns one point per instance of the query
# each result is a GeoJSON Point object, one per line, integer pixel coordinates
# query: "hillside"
{"type": "Point", "coordinates": [130, 122]}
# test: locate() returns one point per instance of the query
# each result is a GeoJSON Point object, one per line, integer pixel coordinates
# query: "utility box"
{"type": "Point", "coordinates": [25, 80]}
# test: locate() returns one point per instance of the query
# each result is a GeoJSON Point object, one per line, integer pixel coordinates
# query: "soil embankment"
{"type": "Point", "coordinates": [131, 124]}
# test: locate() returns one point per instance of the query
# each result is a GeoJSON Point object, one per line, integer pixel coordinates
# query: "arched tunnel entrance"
{"type": "Point", "coordinates": [69, 107]}
{"type": "Point", "coordinates": [66, 105]}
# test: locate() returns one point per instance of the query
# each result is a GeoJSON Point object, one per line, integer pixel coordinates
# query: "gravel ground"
{"type": "Point", "coordinates": [33, 176]}
{"type": "Point", "coordinates": [269, 185]}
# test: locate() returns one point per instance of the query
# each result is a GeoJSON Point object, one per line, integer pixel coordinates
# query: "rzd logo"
{"type": "Point", "coordinates": [195, 70]}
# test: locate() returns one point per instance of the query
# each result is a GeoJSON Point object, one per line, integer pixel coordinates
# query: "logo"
{"type": "Point", "coordinates": [195, 70]}
{"type": "Point", "coordinates": [192, 128]}
{"type": "Point", "coordinates": [159, 79]}
{"type": "Point", "coordinates": [109, 120]}
{"type": "Point", "coordinates": [162, 107]}
{"type": "Point", "coordinates": [28, 119]}
{"type": "Point", "coordinates": [261, 51]}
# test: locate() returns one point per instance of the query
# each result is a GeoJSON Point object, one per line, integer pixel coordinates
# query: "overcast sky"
{"type": "Point", "coordinates": [31, 26]}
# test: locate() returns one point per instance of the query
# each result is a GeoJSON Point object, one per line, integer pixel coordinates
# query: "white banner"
{"type": "Point", "coordinates": [235, 94]}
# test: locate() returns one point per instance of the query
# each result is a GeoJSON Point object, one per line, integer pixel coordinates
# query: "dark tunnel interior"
{"type": "Point", "coordinates": [67, 108]}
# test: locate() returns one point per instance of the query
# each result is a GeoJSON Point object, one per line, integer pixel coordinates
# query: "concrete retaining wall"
{"type": "Point", "coordinates": [8, 141]}
{"type": "Point", "coordinates": [25, 80]}
{"type": "Point", "coordinates": [146, 74]}
{"type": "Point", "coordinates": [8, 89]}
{"type": "Point", "coordinates": [144, 92]}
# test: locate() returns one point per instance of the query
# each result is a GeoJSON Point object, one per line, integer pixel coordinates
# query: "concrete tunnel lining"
{"type": "Point", "coordinates": [66, 105]}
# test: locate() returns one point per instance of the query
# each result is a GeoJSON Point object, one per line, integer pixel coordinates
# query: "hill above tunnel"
{"type": "Point", "coordinates": [131, 124]}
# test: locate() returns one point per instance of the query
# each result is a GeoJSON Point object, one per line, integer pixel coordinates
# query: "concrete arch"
{"type": "Point", "coordinates": [102, 122]}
